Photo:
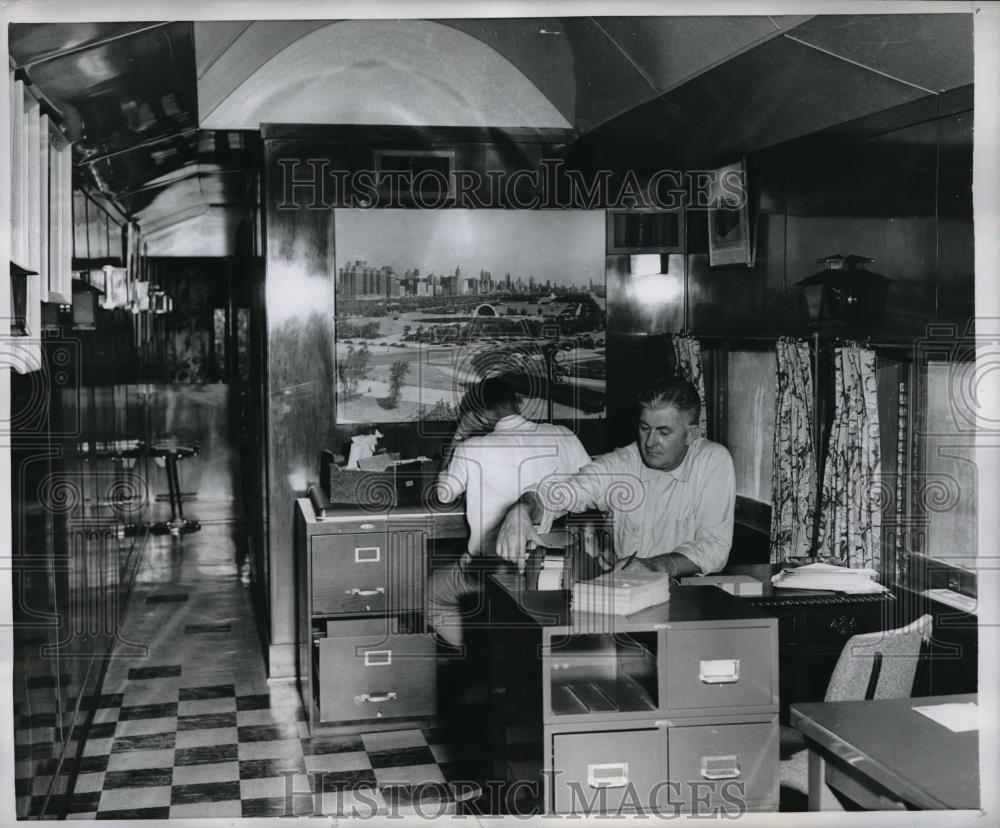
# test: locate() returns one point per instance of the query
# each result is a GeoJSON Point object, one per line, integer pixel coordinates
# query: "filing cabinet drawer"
{"type": "Point", "coordinates": [614, 769]}
{"type": "Point", "coordinates": [723, 766]}
{"type": "Point", "coordinates": [365, 574]}
{"type": "Point", "coordinates": [378, 676]}
{"type": "Point", "coordinates": [720, 667]}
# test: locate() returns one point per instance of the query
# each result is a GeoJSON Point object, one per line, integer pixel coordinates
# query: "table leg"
{"type": "Point", "coordinates": [177, 523]}
{"type": "Point", "coordinates": [821, 796]}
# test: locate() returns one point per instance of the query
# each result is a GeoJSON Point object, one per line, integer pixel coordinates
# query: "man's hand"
{"type": "Point", "coordinates": [636, 564]}
{"type": "Point", "coordinates": [514, 534]}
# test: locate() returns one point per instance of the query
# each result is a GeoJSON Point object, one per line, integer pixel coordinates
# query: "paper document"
{"type": "Point", "coordinates": [828, 577]}
{"type": "Point", "coordinates": [956, 717]}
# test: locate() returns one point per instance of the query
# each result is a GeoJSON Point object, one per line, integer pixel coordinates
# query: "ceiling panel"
{"type": "Point", "coordinates": [933, 51]}
{"type": "Point", "coordinates": [30, 42]}
{"type": "Point", "coordinates": [771, 94]}
{"type": "Point", "coordinates": [213, 38]}
{"type": "Point", "coordinates": [125, 91]}
{"type": "Point", "coordinates": [671, 50]}
{"type": "Point", "coordinates": [226, 57]}
{"type": "Point", "coordinates": [539, 47]}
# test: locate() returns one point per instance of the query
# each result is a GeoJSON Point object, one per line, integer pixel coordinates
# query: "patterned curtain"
{"type": "Point", "coordinates": [850, 506]}
{"type": "Point", "coordinates": [793, 475]}
{"type": "Point", "coordinates": [687, 351]}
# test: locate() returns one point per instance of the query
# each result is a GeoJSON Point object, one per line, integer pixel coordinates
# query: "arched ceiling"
{"type": "Point", "coordinates": [157, 110]}
{"type": "Point", "coordinates": [402, 72]}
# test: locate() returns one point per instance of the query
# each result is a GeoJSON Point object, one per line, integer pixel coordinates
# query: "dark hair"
{"type": "Point", "coordinates": [490, 394]}
{"type": "Point", "coordinates": [675, 391]}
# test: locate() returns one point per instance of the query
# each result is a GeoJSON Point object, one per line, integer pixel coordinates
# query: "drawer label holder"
{"type": "Point", "coordinates": [378, 658]}
{"type": "Point", "coordinates": [367, 554]}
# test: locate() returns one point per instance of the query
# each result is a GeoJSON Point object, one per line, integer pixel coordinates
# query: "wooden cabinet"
{"type": "Point", "coordinates": [671, 710]}
{"type": "Point", "coordinates": [364, 657]}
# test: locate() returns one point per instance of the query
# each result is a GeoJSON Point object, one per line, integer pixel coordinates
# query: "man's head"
{"type": "Point", "coordinates": [668, 422]}
{"type": "Point", "coordinates": [490, 400]}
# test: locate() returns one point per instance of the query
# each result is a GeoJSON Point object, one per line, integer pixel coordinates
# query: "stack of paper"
{"type": "Point", "coordinates": [621, 593]}
{"type": "Point", "coordinates": [828, 577]}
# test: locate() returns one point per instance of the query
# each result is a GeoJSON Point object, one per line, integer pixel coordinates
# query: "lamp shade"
{"type": "Point", "coordinates": [845, 292]}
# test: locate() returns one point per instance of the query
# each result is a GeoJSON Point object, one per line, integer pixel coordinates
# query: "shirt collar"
{"type": "Point", "coordinates": [511, 421]}
{"type": "Point", "coordinates": [681, 473]}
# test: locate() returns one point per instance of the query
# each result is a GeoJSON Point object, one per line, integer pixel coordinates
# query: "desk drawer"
{"type": "Point", "coordinates": [611, 769]}
{"type": "Point", "coordinates": [367, 574]}
{"type": "Point", "coordinates": [725, 764]}
{"type": "Point", "coordinates": [716, 668]}
{"type": "Point", "coordinates": [374, 677]}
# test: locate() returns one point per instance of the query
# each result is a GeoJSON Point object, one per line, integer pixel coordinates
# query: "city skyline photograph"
{"type": "Point", "coordinates": [565, 247]}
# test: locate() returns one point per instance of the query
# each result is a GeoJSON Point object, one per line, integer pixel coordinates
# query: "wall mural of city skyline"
{"type": "Point", "coordinates": [430, 301]}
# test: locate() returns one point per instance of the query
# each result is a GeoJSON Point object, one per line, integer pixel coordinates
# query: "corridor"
{"type": "Point", "coordinates": [187, 724]}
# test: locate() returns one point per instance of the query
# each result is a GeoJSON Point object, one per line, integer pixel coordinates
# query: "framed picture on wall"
{"type": "Point", "coordinates": [429, 302]}
{"type": "Point", "coordinates": [728, 212]}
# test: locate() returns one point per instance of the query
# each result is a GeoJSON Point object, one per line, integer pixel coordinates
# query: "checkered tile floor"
{"type": "Point", "coordinates": [188, 726]}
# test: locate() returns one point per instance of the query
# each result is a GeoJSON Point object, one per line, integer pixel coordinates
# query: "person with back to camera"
{"type": "Point", "coordinates": [671, 492]}
{"type": "Point", "coordinates": [497, 455]}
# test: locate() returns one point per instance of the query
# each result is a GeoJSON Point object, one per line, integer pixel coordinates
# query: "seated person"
{"type": "Point", "coordinates": [506, 456]}
{"type": "Point", "coordinates": [671, 493]}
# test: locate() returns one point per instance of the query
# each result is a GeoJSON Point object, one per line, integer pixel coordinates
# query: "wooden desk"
{"type": "Point", "coordinates": [671, 709]}
{"type": "Point", "coordinates": [882, 754]}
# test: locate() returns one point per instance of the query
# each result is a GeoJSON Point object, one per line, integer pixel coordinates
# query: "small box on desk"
{"type": "Point", "coordinates": [401, 484]}
{"type": "Point", "coordinates": [733, 584]}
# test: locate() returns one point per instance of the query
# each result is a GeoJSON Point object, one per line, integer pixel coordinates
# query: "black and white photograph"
{"type": "Point", "coordinates": [479, 413]}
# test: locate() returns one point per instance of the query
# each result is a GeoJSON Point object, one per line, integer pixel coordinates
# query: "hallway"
{"type": "Point", "coordinates": [188, 726]}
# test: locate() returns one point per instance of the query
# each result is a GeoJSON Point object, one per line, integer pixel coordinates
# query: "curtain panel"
{"type": "Point", "coordinates": [850, 505]}
{"type": "Point", "coordinates": [793, 476]}
{"type": "Point", "coordinates": [687, 351]}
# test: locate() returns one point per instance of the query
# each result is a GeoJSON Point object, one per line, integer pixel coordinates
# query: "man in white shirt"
{"type": "Point", "coordinates": [510, 456]}
{"type": "Point", "coordinates": [671, 493]}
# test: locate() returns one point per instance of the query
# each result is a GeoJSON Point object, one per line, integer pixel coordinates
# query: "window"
{"type": "Point", "coordinates": [750, 399]}
{"type": "Point", "coordinates": [947, 489]}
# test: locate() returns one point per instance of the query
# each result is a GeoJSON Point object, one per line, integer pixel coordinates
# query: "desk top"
{"type": "Point", "coordinates": [344, 512]}
{"type": "Point", "coordinates": [550, 609]}
{"type": "Point", "coordinates": [913, 756]}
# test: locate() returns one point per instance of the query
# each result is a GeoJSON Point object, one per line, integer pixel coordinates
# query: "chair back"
{"type": "Point", "coordinates": [879, 665]}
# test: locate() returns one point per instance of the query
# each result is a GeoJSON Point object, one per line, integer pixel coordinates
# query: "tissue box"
{"type": "Point", "coordinates": [402, 485]}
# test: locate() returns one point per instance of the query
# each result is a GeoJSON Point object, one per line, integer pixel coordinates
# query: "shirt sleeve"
{"type": "Point", "coordinates": [586, 489]}
{"type": "Point", "coordinates": [453, 481]}
{"type": "Point", "coordinates": [709, 548]}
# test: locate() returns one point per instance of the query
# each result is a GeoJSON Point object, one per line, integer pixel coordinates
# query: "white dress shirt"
{"type": "Point", "coordinates": [687, 510]}
{"type": "Point", "coordinates": [495, 469]}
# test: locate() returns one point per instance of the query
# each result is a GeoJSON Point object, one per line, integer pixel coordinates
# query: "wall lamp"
{"type": "Point", "coordinates": [845, 292]}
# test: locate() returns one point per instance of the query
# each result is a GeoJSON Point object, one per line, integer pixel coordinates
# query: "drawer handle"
{"type": "Point", "coordinates": [719, 671]}
{"type": "Point", "coordinates": [609, 775]}
{"type": "Point", "coordinates": [378, 658]}
{"type": "Point", "coordinates": [367, 554]}
{"type": "Point", "coordinates": [375, 698]}
{"type": "Point", "coordinates": [366, 591]}
{"type": "Point", "coordinates": [720, 767]}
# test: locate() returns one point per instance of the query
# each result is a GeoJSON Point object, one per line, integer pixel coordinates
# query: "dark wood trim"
{"type": "Point", "coordinates": [753, 514]}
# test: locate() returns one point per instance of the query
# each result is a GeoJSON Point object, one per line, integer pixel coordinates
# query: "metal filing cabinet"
{"type": "Point", "coordinates": [673, 709]}
{"type": "Point", "coordinates": [365, 659]}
